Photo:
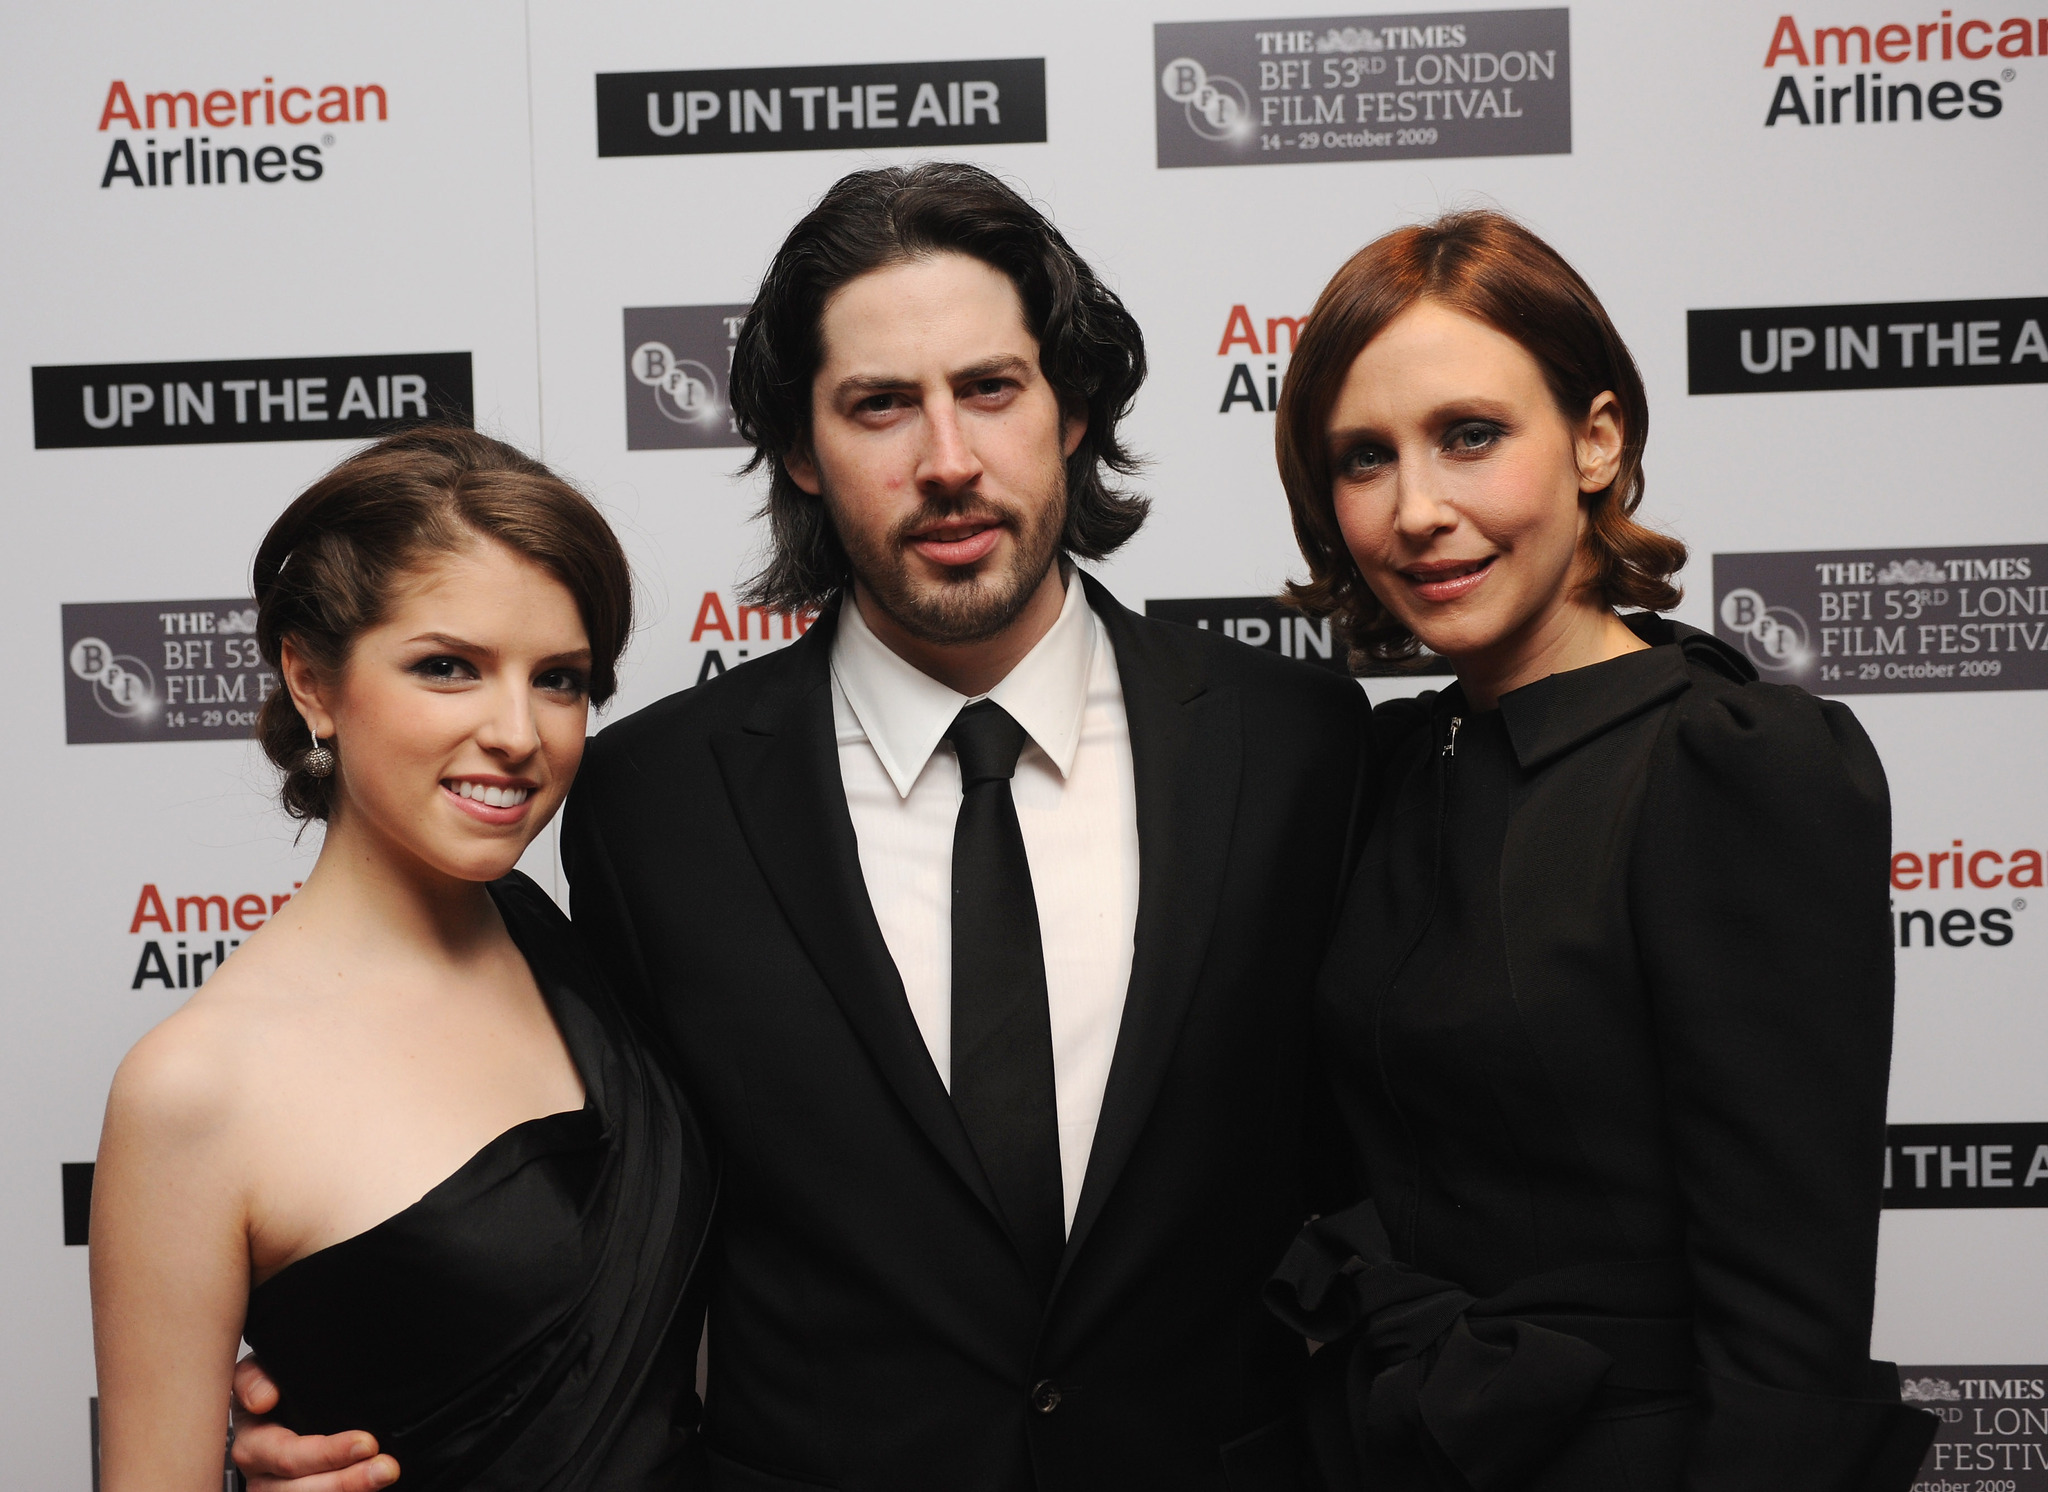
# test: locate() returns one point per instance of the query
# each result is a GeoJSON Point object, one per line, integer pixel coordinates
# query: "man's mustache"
{"type": "Point", "coordinates": [968, 508]}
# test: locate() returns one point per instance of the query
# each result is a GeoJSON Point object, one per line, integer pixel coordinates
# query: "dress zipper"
{"type": "Point", "coordinates": [1451, 740]}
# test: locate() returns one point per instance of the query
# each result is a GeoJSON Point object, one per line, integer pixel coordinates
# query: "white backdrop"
{"type": "Point", "coordinates": [479, 217]}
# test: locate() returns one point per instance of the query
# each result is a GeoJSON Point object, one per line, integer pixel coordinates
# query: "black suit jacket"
{"type": "Point", "coordinates": [872, 1325]}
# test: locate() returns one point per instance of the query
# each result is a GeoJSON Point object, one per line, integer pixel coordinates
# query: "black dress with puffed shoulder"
{"type": "Point", "coordinates": [1609, 1020]}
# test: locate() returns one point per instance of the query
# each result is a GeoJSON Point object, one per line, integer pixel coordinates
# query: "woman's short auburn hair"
{"type": "Point", "coordinates": [1491, 268]}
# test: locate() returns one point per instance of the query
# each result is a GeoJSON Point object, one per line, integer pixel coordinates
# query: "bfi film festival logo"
{"type": "Point", "coordinates": [1363, 88]}
{"type": "Point", "coordinates": [856, 106]}
{"type": "Point", "coordinates": [1807, 92]}
{"type": "Point", "coordinates": [1908, 344]}
{"type": "Point", "coordinates": [1263, 622]}
{"type": "Point", "coordinates": [1889, 621]}
{"type": "Point", "coordinates": [253, 399]}
{"type": "Point", "coordinates": [1993, 1434]}
{"type": "Point", "coordinates": [162, 671]}
{"type": "Point", "coordinates": [209, 137]}
{"type": "Point", "coordinates": [678, 364]}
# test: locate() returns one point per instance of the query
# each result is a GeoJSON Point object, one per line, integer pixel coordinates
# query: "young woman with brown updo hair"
{"type": "Point", "coordinates": [405, 1141]}
{"type": "Point", "coordinates": [1608, 1017]}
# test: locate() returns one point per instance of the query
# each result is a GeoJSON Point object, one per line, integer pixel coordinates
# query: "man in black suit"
{"type": "Point", "coordinates": [981, 920]}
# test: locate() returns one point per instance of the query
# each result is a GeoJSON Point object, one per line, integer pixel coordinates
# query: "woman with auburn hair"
{"type": "Point", "coordinates": [405, 1140]}
{"type": "Point", "coordinates": [1608, 1018]}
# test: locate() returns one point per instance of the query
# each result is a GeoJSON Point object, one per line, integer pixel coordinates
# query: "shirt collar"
{"type": "Point", "coordinates": [905, 712]}
{"type": "Point", "coordinates": [1558, 714]}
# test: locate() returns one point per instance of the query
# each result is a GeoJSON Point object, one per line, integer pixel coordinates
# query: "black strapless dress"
{"type": "Point", "coordinates": [529, 1324]}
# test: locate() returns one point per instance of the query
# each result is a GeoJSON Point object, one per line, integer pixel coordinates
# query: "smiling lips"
{"type": "Point", "coordinates": [961, 541]}
{"type": "Point", "coordinates": [1446, 580]}
{"type": "Point", "coordinates": [500, 802]}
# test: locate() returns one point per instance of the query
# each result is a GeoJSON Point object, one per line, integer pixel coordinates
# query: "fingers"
{"type": "Point", "coordinates": [273, 1459]}
{"type": "Point", "coordinates": [253, 1389]}
{"type": "Point", "coordinates": [364, 1476]}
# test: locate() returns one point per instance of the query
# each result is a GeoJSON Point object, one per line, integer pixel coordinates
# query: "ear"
{"type": "Point", "coordinates": [1596, 445]}
{"type": "Point", "coordinates": [309, 695]}
{"type": "Point", "coordinates": [803, 471]}
{"type": "Point", "coordinates": [1073, 425]}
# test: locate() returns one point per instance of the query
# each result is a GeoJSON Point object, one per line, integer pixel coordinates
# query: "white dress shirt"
{"type": "Point", "coordinates": [1076, 804]}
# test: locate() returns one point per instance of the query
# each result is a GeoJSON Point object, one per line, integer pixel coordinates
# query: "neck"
{"type": "Point", "coordinates": [393, 907]}
{"type": "Point", "coordinates": [971, 668]}
{"type": "Point", "coordinates": [1573, 635]}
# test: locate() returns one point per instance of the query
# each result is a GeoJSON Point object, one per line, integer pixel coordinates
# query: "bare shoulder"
{"type": "Point", "coordinates": [188, 1080]}
{"type": "Point", "coordinates": [174, 1090]}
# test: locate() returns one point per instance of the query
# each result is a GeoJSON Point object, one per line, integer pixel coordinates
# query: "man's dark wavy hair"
{"type": "Point", "coordinates": [1089, 348]}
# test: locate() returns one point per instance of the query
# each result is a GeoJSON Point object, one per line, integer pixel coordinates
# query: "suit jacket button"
{"type": "Point", "coordinates": [1045, 1396]}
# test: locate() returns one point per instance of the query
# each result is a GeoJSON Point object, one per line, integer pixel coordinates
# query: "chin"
{"type": "Point", "coordinates": [492, 866]}
{"type": "Point", "coordinates": [472, 855]}
{"type": "Point", "coordinates": [1459, 638]}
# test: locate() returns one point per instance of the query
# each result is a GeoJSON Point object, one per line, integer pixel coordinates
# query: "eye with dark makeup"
{"type": "Point", "coordinates": [1363, 460]}
{"type": "Point", "coordinates": [564, 681]}
{"type": "Point", "coordinates": [1472, 437]}
{"type": "Point", "coordinates": [443, 668]}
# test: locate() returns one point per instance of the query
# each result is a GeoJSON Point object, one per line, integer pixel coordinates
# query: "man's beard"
{"type": "Point", "coordinates": [975, 602]}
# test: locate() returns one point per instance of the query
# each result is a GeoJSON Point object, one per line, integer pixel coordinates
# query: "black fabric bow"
{"type": "Point", "coordinates": [1433, 1394]}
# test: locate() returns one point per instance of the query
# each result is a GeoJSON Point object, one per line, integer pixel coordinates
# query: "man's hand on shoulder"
{"type": "Point", "coordinates": [273, 1459]}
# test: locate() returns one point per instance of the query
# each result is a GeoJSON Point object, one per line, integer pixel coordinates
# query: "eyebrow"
{"type": "Point", "coordinates": [1449, 412]}
{"type": "Point", "coordinates": [860, 386]}
{"type": "Point", "coordinates": [448, 640]}
{"type": "Point", "coordinates": [461, 645]}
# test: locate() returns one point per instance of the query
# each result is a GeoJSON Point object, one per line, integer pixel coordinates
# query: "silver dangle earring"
{"type": "Point", "coordinates": [319, 762]}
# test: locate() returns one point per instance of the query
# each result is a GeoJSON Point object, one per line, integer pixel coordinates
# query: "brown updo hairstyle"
{"type": "Point", "coordinates": [329, 567]}
{"type": "Point", "coordinates": [1491, 268]}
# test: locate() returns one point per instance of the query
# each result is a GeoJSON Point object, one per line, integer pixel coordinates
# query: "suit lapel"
{"type": "Point", "coordinates": [1186, 751]}
{"type": "Point", "coordinates": [781, 770]}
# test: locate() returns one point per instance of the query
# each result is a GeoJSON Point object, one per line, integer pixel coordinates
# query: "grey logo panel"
{"type": "Point", "coordinates": [1889, 621]}
{"type": "Point", "coordinates": [162, 671]}
{"type": "Point", "coordinates": [1994, 1424]}
{"type": "Point", "coordinates": [678, 362]}
{"type": "Point", "coordinates": [1361, 88]}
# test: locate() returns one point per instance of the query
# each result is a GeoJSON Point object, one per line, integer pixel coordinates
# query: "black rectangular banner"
{"type": "Point", "coordinates": [1902, 345]}
{"type": "Point", "coordinates": [77, 1178]}
{"type": "Point", "coordinates": [856, 106]}
{"type": "Point", "coordinates": [1262, 622]}
{"type": "Point", "coordinates": [285, 398]}
{"type": "Point", "coordinates": [1966, 1165]}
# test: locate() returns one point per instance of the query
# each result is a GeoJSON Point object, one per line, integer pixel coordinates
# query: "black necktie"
{"type": "Point", "coordinates": [1002, 1030]}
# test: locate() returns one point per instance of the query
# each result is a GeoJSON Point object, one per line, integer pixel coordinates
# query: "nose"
{"type": "Point", "coordinates": [948, 463]}
{"type": "Point", "coordinates": [510, 730]}
{"type": "Point", "coordinates": [1419, 507]}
